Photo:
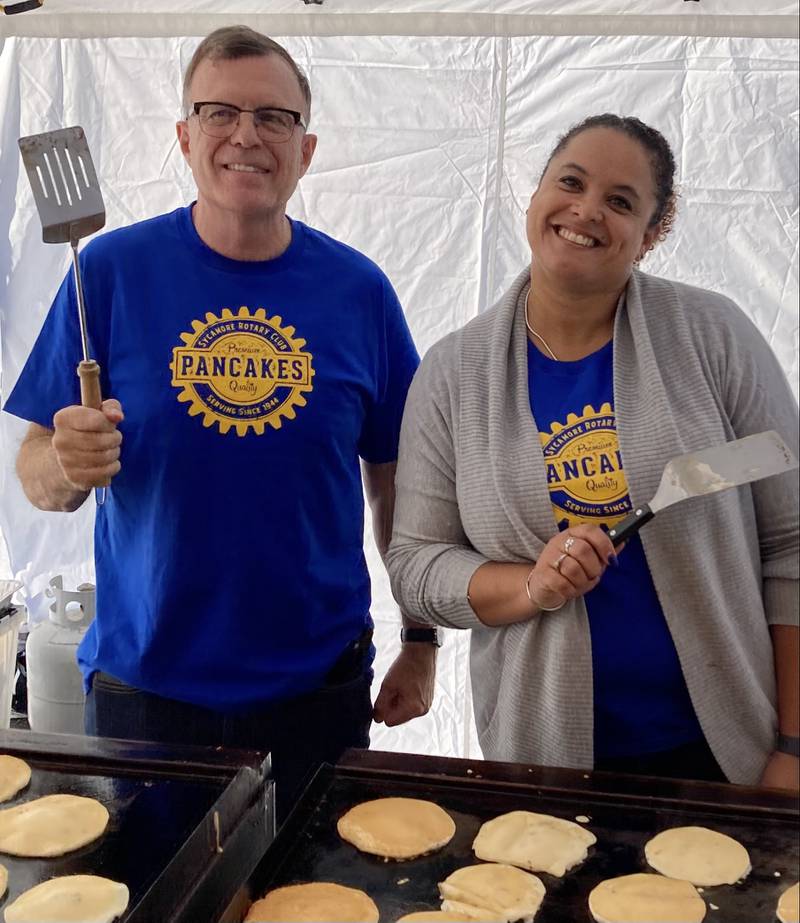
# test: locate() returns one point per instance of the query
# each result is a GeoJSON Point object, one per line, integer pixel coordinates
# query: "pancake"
{"type": "Point", "coordinates": [640, 897]}
{"type": "Point", "coordinates": [435, 916]}
{"type": "Point", "coordinates": [14, 776]}
{"type": "Point", "coordinates": [397, 828]}
{"type": "Point", "coordinates": [70, 899]}
{"type": "Point", "coordinates": [536, 842]}
{"type": "Point", "coordinates": [51, 826]}
{"type": "Point", "coordinates": [492, 891]}
{"type": "Point", "coordinates": [318, 902]}
{"type": "Point", "coordinates": [698, 855]}
{"type": "Point", "coordinates": [789, 905]}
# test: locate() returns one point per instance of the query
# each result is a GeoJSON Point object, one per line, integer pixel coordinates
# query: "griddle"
{"type": "Point", "coordinates": [187, 824]}
{"type": "Point", "coordinates": [624, 812]}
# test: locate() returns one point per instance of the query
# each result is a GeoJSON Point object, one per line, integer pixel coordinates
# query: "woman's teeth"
{"type": "Point", "coordinates": [576, 238]}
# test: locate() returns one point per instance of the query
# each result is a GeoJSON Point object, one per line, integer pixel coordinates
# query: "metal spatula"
{"type": "Point", "coordinates": [67, 195]}
{"type": "Point", "coordinates": [718, 468]}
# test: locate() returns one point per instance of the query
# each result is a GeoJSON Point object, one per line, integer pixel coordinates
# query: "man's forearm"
{"type": "Point", "coordinates": [42, 477]}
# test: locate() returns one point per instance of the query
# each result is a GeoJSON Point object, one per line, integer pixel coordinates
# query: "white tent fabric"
{"type": "Point", "coordinates": [431, 140]}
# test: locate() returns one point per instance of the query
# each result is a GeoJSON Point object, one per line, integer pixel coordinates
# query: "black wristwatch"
{"type": "Point", "coordinates": [787, 744]}
{"type": "Point", "coordinates": [421, 635]}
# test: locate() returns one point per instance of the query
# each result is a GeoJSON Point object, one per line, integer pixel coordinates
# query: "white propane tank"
{"type": "Point", "coordinates": [55, 688]}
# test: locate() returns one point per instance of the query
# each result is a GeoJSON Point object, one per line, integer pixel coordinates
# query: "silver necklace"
{"type": "Point", "coordinates": [533, 333]}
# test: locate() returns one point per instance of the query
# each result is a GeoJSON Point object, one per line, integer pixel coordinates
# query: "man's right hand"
{"type": "Point", "coordinates": [87, 443]}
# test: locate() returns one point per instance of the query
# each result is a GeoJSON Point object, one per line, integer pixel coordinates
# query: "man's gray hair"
{"type": "Point", "coordinates": [232, 42]}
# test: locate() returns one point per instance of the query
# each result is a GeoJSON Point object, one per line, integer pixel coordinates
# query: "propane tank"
{"type": "Point", "coordinates": [55, 686]}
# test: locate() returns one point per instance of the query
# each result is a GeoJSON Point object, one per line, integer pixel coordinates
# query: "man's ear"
{"type": "Point", "coordinates": [308, 146]}
{"type": "Point", "coordinates": [182, 129]}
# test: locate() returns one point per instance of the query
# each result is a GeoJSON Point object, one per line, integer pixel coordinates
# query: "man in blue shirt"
{"type": "Point", "coordinates": [255, 369]}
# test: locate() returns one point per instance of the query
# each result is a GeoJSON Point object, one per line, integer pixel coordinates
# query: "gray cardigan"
{"type": "Point", "coordinates": [690, 371]}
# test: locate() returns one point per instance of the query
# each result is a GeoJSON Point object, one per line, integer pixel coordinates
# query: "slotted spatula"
{"type": "Point", "coordinates": [67, 195]}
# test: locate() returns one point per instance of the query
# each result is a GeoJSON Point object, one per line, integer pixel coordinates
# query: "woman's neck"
{"type": "Point", "coordinates": [574, 324]}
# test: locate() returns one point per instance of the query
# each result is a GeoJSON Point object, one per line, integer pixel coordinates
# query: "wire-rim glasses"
{"type": "Point", "coordinates": [220, 120]}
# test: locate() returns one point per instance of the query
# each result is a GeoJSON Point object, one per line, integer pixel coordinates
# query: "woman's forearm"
{"type": "Point", "coordinates": [786, 645]}
{"type": "Point", "coordinates": [497, 594]}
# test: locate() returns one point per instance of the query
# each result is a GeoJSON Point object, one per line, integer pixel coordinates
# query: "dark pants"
{"type": "Point", "coordinates": [300, 733]}
{"type": "Point", "coordinates": [691, 761]}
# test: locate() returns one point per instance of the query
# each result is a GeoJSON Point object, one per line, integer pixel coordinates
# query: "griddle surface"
{"type": "Point", "coordinates": [309, 849]}
{"type": "Point", "coordinates": [169, 809]}
{"type": "Point", "coordinates": [149, 820]}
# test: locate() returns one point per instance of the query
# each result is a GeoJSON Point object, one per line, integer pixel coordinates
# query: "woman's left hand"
{"type": "Point", "coordinates": [782, 771]}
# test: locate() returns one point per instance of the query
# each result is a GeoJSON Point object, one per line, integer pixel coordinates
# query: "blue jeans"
{"type": "Point", "coordinates": [300, 733]}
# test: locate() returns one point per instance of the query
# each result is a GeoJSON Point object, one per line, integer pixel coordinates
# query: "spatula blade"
{"type": "Point", "coordinates": [64, 183]}
{"type": "Point", "coordinates": [720, 467]}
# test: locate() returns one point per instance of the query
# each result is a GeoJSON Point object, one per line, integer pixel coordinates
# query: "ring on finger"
{"type": "Point", "coordinates": [569, 543]}
{"type": "Point", "coordinates": [559, 561]}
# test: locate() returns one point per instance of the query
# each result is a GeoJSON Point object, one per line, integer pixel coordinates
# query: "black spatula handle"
{"type": "Point", "coordinates": [10, 8]}
{"type": "Point", "coordinates": [630, 525]}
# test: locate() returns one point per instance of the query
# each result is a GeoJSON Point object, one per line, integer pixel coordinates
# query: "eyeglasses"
{"type": "Point", "coordinates": [219, 120]}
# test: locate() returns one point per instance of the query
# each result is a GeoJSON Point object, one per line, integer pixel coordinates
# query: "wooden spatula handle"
{"type": "Point", "coordinates": [91, 396]}
{"type": "Point", "coordinates": [89, 374]}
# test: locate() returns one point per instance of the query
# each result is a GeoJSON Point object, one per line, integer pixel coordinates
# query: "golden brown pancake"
{"type": "Point", "coordinates": [789, 905]}
{"type": "Point", "coordinates": [51, 826]}
{"type": "Point", "coordinates": [397, 828]}
{"type": "Point", "coordinates": [70, 899]}
{"type": "Point", "coordinates": [318, 902]}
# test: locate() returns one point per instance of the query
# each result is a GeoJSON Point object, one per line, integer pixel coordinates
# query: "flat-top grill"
{"type": "Point", "coordinates": [187, 824]}
{"type": "Point", "coordinates": [624, 812]}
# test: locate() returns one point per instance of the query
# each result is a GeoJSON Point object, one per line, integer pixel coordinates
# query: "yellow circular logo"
{"type": "Point", "coordinates": [584, 468]}
{"type": "Point", "coordinates": [242, 371]}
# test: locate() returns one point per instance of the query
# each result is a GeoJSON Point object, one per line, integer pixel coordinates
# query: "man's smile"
{"type": "Point", "coordinates": [245, 168]}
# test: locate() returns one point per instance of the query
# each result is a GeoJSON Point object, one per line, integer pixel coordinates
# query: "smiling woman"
{"type": "Point", "coordinates": [605, 198]}
{"type": "Point", "coordinates": [533, 430]}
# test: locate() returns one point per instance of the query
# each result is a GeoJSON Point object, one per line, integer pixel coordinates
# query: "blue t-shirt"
{"type": "Point", "coordinates": [641, 703]}
{"type": "Point", "coordinates": [229, 552]}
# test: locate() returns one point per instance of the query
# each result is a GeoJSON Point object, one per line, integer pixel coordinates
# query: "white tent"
{"type": "Point", "coordinates": [434, 120]}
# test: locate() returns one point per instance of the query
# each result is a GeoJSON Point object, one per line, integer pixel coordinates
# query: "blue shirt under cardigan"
{"type": "Point", "coordinates": [641, 703]}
